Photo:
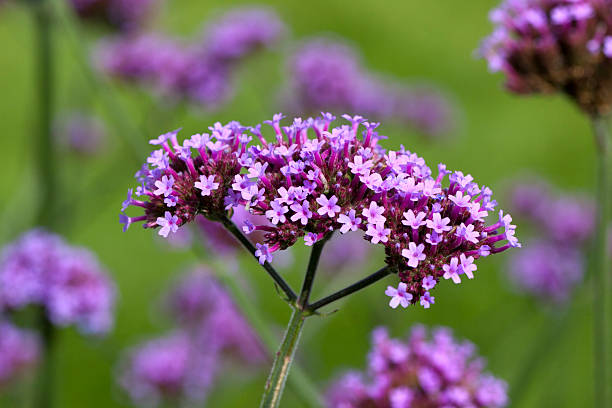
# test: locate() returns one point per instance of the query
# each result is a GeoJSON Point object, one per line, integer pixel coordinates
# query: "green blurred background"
{"type": "Point", "coordinates": [500, 137]}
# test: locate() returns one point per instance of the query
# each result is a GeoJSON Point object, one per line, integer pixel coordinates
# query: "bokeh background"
{"type": "Point", "coordinates": [499, 137]}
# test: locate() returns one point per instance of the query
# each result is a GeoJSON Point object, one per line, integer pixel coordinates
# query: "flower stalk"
{"type": "Point", "coordinates": [42, 16]}
{"type": "Point", "coordinates": [601, 279]}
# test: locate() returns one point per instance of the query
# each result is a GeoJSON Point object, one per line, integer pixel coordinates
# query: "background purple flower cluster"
{"type": "Point", "coordinates": [419, 372]}
{"type": "Point", "coordinates": [182, 366]}
{"type": "Point", "coordinates": [199, 70]}
{"type": "Point", "coordinates": [68, 282]}
{"type": "Point", "coordinates": [553, 262]}
{"type": "Point", "coordinates": [328, 75]}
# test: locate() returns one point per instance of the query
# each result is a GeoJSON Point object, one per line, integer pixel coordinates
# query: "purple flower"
{"type": "Point", "coordinates": [349, 222]}
{"type": "Point", "coordinates": [263, 253]}
{"type": "Point", "coordinates": [168, 369]}
{"type": "Point", "coordinates": [547, 270]}
{"type": "Point", "coordinates": [168, 224]}
{"type": "Point", "coordinates": [419, 372]}
{"type": "Point", "coordinates": [398, 296]}
{"type": "Point", "coordinates": [302, 212]}
{"type": "Point", "coordinates": [41, 269]}
{"type": "Point", "coordinates": [374, 213]}
{"type": "Point", "coordinates": [125, 15]}
{"type": "Point", "coordinates": [429, 282]}
{"type": "Point", "coordinates": [328, 75]}
{"type": "Point", "coordinates": [378, 232]}
{"type": "Point", "coordinates": [277, 213]}
{"type": "Point", "coordinates": [19, 350]}
{"type": "Point", "coordinates": [451, 271]}
{"type": "Point", "coordinates": [553, 45]}
{"type": "Point", "coordinates": [202, 306]}
{"type": "Point", "coordinates": [328, 206]}
{"type": "Point", "coordinates": [206, 184]}
{"type": "Point", "coordinates": [427, 300]}
{"type": "Point", "coordinates": [81, 133]}
{"type": "Point", "coordinates": [414, 221]}
{"type": "Point", "coordinates": [414, 254]}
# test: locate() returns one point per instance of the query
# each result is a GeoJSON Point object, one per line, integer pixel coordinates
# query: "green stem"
{"type": "Point", "coordinates": [299, 382]}
{"type": "Point", "coordinates": [601, 281]}
{"type": "Point", "coordinates": [45, 159]}
{"type": "Point", "coordinates": [282, 363]}
{"type": "Point", "coordinates": [44, 385]}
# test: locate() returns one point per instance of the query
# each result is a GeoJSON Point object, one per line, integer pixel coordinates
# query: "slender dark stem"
{"type": "Point", "coordinates": [284, 358]}
{"type": "Point", "coordinates": [45, 153]}
{"type": "Point", "coordinates": [375, 277]}
{"type": "Point", "coordinates": [235, 231]}
{"type": "Point", "coordinates": [311, 271]}
{"type": "Point", "coordinates": [44, 385]}
{"type": "Point", "coordinates": [601, 281]}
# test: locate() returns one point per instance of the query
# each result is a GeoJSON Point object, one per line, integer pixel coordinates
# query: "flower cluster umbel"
{"type": "Point", "coordinates": [314, 179]}
{"type": "Point", "coordinates": [553, 262]}
{"type": "Point", "coordinates": [198, 71]}
{"type": "Point", "coordinates": [329, 75]}
{"type": "Point", "coordinates": [420, 372]}
{"type": "Point", "coordinates": [41, 269]}
{"type": "Point", "coordinates": [181, 366]}
{"type": "Point", "coordinates": [546, 46]}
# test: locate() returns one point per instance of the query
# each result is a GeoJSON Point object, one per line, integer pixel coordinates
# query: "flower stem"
{"type": "Point", "coordinates": [313, 263]}
{"type": "Point", "coordinates": [601, 280]}
{"type": "Point", "coordinates": [44, 385]}
{"type": "Point", "coordinates": [299, 382]}
{"type": "Point", "coordinates": [367, 281]}
{"type": "Point", "coordinates": [231, 227]}
{"type": "Point", "coordinates": [282, 363]}
{"type": "Point", "coordinates": [45, 160]}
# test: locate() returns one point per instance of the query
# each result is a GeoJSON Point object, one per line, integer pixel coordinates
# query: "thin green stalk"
{"type": "Point", "coordinates": [45, 153]}
{"type": "Point", "coordinates": [284, 358]}
{"type": "Point", "coordinates": [45, 160]}
{"type": "Point", "coordinates": [601, 281]}
{"type": "Point", "coordinates": [44, 383]}
{"type": "Point", "coordinates": [105, 91]}
{"type": "Point", "coordinates": [299, 382]}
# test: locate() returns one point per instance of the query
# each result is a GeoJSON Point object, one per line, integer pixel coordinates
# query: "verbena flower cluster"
{"type": "Point", "coordinates": [315, 179]}
{"type": "Point", "coordinates": [553, 262]}
{"type": "Point", "coordinates": [19, 350]}
{"type": "Point", "coordinates": [545, 46]}
{"type": "Point", "coordinates": [198, 71]}
{"type": "Point", "coordinates": [41, 269]}
{"type": "Point", "coordinates": [419, 372]}
{"type": "Point", "coordinates": [202, 306]}
{"type": "Point", "coordinates": [182, 366]}
{"type": "Point", "coordinates": [81, 133]}
{"type": "Point", "coordinates": [328, 75]}
{"type": "Point", "coordinates": [125, 15]}
{"type": "Point", "coordinates": [169, 369]}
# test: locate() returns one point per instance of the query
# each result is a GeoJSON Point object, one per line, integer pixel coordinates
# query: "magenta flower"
{"type": "Point", "coordinates": [546, 46]}
{"type": "Point", "coordinates": [419, 372]}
